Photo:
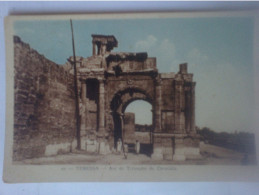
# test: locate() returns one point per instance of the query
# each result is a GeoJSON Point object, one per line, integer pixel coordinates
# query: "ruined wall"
{"type": "Point", "coordinates": [121, 83]}
{"type": "Point", "coordinates": [178, 98]}
{"type": "Point", "coordinates": [129, 127]}
{"type": "Point", "coordinates": [44, 107]}
{"type": "Point", "coordinates": [168, 106]}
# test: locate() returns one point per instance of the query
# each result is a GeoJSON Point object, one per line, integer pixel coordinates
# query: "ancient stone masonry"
{"type": "Point", "coordinates": [108, 82]}
{"type": "Point", "coordinates": [44, 108]}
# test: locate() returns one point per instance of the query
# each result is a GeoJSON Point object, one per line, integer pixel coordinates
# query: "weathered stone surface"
{"type": "Point", "coordinates": [157, 153]}
{"type": "Point", "coordinates": [129, 128]}
{"type": "Point", "coordinates": [44, 113]}
{"type": "Point", "coordinates": [83, 142]}
{"type": "Point", "coordinates": [168, 153]}
{"type": "Point", "coordinates": [143, 137]}
{"type": "Point", "coordinates": [73, 145]}
{"type": "Point", "coordinates": [179, 157]}
{"type": "Point", "coordinates": [103, 148]}
{"type": "Point", "coordinates": [55, 149]}
{"type": "Point", "coordinates": [107, 83]}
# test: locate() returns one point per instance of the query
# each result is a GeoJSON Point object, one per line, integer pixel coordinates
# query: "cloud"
{"type": "Point", "coordinates": [146, 44]}
{"type": "Point", "coordinates": [195, 56]}
{"type": "Point", "coordinates": [163, 50]}
{"type": "Point", "coordinates": [167, 48]}
{"type": "Point", "coordinates": [157, 48]}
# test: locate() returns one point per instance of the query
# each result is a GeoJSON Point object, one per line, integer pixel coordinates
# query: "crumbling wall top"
{"type": "Point", "coordinates": [104, 44]}
{"type": "Point", "coordinates": [105, 39]}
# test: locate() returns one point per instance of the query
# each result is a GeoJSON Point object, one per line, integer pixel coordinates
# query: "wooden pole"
{"type": "Point", "coordinates": [76, 92]}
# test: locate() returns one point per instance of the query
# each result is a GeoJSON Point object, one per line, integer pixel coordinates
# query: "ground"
{"type": "Point", "coordinates": [211, 155]}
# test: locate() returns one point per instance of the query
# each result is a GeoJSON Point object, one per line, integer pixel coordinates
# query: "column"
{"type": "Point", "coordinates": [188, 108]}
{"type": "Point", "coordinates": [103, 49]}
{"type": "Point", "coordinates": [101, 116]}
{"type": "Point", "coordinates": [103, 145]}
{"type": "Point", "coordinates": [177, 106]}
{"type": "Point", "coordinates": [83, 91]}
{"type": "Point", "coordinates": [157, 140]}
{"type": "Point", "coordinates": [82, 108]}
{"type": "Point", "coordinates": [94, 46]}
{"type": "Point", "coordinates": [87, 120]}
{"type": "Point", "coordinates": [193, 107]}
{"type": "Point", "coordinates": [179, 103]}
{"type": "Point", "coordinates": [122, 127]}
{"type": "Point", "coordinates": [158, 102]}
{"type": "Point", "coordinates": [181, 99]}
{"type": "Point", "coordinates": [98, 49]}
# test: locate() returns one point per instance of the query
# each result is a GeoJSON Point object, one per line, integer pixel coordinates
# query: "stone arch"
{"type": "Point", "coordinates": [124, 97]}
{"type": "Point", "coordinates": [127, 102]}
{"type": "Point", "coordinates": [119, 103]}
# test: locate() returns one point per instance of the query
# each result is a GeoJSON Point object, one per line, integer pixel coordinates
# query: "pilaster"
{"type": "Point", "coordinates": [158, 104]}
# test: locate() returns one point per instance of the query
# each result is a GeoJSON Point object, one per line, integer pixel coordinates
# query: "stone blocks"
{"type": "Point", "coordinates": [129, 128]}
{"type": "Point", "coordinates": [157, 154]}
{"type": "Point", "coordinates": [44, 106]}
{"type": "Point", "coordinates": [54, 149]}
{"type": "Point", "coordinates": [91, 146]}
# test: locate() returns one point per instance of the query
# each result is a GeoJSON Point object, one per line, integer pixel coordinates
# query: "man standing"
{"type": "Point", "coordinates": [119, 145]}
{"type": "Point", "coordinates": [137, 147]}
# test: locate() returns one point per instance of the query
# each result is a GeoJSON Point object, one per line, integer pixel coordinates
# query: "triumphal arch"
{"type": "Point", "coordinates": [109, 81]}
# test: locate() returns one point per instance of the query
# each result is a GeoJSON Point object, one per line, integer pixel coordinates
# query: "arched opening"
{"type": "Point", "coordinates": [124, 106]}
{"type": "Point", "coordinates": [142, 110]}
{"type": "Point", "coordinates": [140, 127]}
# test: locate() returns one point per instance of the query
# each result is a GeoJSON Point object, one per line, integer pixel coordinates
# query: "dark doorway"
{"type": "Point", "coordinates": [117, 128]}
{"type": "Point", "coordinates": [92, 92]}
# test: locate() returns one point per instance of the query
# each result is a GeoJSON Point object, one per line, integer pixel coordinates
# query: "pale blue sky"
{"type": "Point", "coordinates": [218, 51]}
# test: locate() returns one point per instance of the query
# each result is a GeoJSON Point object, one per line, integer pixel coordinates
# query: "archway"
{"type": "Point", "coordinates": [142, 112]}
{"type": "Point", "coordinates": [124, 121]}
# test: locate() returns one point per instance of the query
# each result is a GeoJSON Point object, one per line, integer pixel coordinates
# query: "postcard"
{"type": "Point", "coordinates": [132, 97]}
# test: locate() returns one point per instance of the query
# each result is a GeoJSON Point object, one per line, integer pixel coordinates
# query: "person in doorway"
{"type": "Point", "coordinates": [126, 151]}
{"type": "Point", "coordinates": [137, 147]}
{"type": "Point", "coordinates": [119, 145]}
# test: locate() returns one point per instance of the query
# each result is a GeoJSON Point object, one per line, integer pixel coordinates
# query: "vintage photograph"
{"type": "Point", "coordinates": [133, 90]}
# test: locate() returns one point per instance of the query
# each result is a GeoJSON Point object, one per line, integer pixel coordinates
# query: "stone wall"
{"type": "Point", "coordinates": [138, 83]}
{"type": "Point", "coordinates": [129, 127]}
{"type": "Point", "coordinates": [44, 106]}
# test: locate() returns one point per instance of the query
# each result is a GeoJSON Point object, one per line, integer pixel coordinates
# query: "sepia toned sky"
{"type": "Point", "coordinates": [218, 52]}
